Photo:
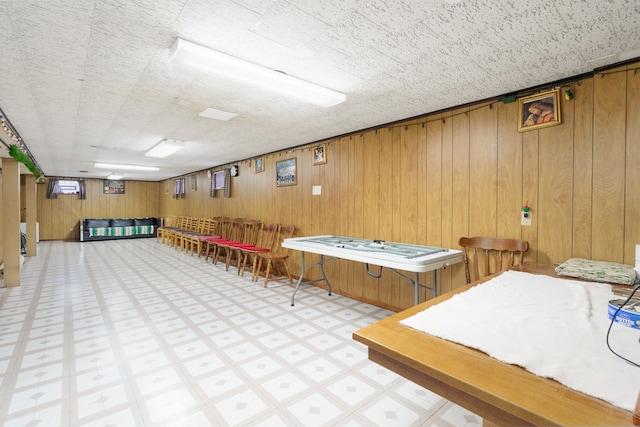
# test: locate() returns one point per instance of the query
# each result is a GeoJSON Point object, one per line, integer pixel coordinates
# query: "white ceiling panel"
{"type": "Point", "coordinates": [90, 81]}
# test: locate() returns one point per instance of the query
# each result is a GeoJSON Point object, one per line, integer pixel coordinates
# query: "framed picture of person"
{"type": "Point", "coordinates": [319, 155]}
{"type": "Point", "coordinates": [259, 165]}
{"type": "Point", "coordinates": [286, 172]}
{"type": "Point", "coordinates": [539, 111]}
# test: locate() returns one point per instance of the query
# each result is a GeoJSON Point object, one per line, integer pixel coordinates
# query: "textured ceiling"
{"type": "Point", "coordinates": [85, 81]}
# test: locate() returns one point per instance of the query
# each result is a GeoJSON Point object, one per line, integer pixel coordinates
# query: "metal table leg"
{"type": "Point", "coordinates": [304, 267]}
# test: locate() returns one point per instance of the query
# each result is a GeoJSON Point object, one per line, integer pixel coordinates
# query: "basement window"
{"type": "Point", "coordinates": [68, 187]}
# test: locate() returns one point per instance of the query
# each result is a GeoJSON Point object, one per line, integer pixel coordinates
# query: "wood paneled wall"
{"type": "Point", "coordinates": [432, 180]}
{"type": "Point", "coordinates": [59, 218]}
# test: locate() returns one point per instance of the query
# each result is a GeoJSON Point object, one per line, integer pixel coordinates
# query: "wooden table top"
{"type": "Point", "coordinates": [499, 392]}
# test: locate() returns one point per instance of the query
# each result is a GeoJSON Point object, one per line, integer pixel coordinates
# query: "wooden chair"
{"type": "Point", "coordinates": [276, 256]}
{"type": "Point", "coordinates": [170, 233]}
{"type": "Point", "coordinates": [209, 229]}
{"type": "Point", "coordinates": [489, 251]}
{"type": "Point", "coordinates": [222, 232]}
{"type": "Point", "coordinates": [178, 235]}
{"type": "Point", "coordinates": [234, 233]}
{"type": "Point", "coordinates": [251, 227]}
{"type": "Point", "coordinates": [160, 232]}
{"type": "Point", "coordinates": [192, 240]}
{"type": "Point", "coordinates": [264, 243]}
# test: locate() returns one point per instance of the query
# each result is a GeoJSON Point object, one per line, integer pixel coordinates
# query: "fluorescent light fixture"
{"type": "Point", "coordinates": [212, 113]}
{"type": "Point", "coordinates": [115, 166]}
{"type": "Point", "coordinates": [165, 148]}
{"type": "Point", "coordinates": [115, 177]}
{"type": "Point", "coordinates": [187, 53]}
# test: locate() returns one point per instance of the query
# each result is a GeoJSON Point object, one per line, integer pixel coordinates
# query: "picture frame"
{"type": "Point", "coordinates": [539, 111]}
{"type": "Point", "coordinates": [194, 182]}
{"type": "Point", "coordinates": [319, 155]}
{"type": "Point", "coordinates": [112, 186]}
{"type": "Point", "coordinates": [286, 172]}
{"type": "Point", "coordinates": [258, 165]}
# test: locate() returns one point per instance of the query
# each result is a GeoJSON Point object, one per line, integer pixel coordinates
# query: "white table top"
{"type": "Point", "coordinates": [400, 256]}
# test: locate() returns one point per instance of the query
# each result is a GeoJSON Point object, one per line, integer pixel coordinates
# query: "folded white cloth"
{"type": "Point", "coordinates": [554, 328]}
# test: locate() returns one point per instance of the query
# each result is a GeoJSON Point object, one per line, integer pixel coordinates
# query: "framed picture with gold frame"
{"type": "Point", "coordinates": [319, 155]}
{"type": "Point", "coordinates": [258, 165]}
{"type": "Point", "coordinates": [539, 111]}
{"type": "Point", "coordinates": [286, 173]}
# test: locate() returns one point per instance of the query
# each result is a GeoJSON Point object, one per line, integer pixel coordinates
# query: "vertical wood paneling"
{"type": "Point", "coordinates": [409, 184]}
{"type": "Point", "coordinates": [448, 171]}
{"type": "Point", "coordinates": [483, 149]}
{"type": "Point", "coordinates": [461, 184]}
{"type": "Point", "coordinates": [530, 190]}
{"type": "Point", "coordinates": [385, 174]}
{"type": "Point", "coordinates": [556, 188]}
{"type": "Point", "coordinates": [509, 197]}
{"type": "Point", "coordinates": [609, 166]}
{"type": "Point", "coordinates": [632, 183]}
{"type": "Point", "coordinates": [59, 218]}
{"type": "Point", "coordinates": [583, 168]}
{"type": "Point", "coordinates": [371, 187]}
{"type": "Point", "coordinates": [468, 175]}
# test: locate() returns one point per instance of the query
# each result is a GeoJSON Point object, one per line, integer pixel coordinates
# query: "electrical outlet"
{"type": "Point", "coordinates": [525, 218]}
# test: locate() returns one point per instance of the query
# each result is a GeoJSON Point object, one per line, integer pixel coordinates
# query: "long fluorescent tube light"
{"type": "Point", "coordinates": [165, 148]}
{"type": "Point", "coordinates": [187, 53]}
{"type": "Point", "coordinates": [115, 177]}
{"type": "Point", "coordinates": [116, 166]}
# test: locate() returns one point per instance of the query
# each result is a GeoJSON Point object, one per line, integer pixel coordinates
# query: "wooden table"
{"type": "Point", "coordinates": [500, 393]}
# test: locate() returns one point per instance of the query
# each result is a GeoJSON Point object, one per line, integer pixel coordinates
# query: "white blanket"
{"type": "Point", "coordinates": [554, 328]}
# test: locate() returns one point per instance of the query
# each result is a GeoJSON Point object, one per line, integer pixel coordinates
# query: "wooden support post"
{"type": "Point", "coordinates": [11, 221]}
{"type": "Point", "coordinates": [31, 217]}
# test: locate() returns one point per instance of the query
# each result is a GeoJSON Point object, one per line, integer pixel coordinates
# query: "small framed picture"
{"type": "Point", "coordinates": [319, 155]}
{"type": "Point", "coordinates": [539, 111]}
{"type": "Point", "coordinates": [194, 183]}
{"type": "Point", "coordinates": [259, 165]}
{"type": "Point", "coordinates": [286, 172]}
{"type": "Point", "coordinates": [113, 186]}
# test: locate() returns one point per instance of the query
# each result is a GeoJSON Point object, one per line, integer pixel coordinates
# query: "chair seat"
{"type": "Point", "coordinates": [207, 238]}
{"type": "Point", "coordinates": [239, 245]}
{"type": "Point", "coordinates": [255, 249]}
{"type": "Point", "coordinates": [214, 239]}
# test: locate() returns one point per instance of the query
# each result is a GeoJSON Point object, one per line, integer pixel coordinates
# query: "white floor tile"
{"type": "Point", "coordinates": [156, 338]}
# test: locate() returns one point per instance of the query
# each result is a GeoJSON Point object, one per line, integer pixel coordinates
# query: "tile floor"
{"type": "Point", "coordinates": [133, 333]}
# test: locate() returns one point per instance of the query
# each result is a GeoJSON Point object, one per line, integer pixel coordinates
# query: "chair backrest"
{"type": "Point", "coordinates": [235, 229]}
{"type": "Point", "coordinates": [267, 235]}
{"type": "Point", "coordinates": [494, 254]}
{"type": "Point", "coordinates": [208, 227]}
{"type": "Point", "coordinates": [250, 233]}
{"type": "Point", "coordinates": [283, 233]}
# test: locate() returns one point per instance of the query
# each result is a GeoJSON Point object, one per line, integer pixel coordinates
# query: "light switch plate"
{"type": "Point", "coordinates": [526, 221]}
{"type": "Point", "coordinates": [316, 190]}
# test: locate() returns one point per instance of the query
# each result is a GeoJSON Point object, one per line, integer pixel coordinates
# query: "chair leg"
{"type": "Point", "coordinates": [242, 266]}
{"type": "Point", "coordinates": [256, 271]}
{"type": "Point", "coordinates": [266, 274]}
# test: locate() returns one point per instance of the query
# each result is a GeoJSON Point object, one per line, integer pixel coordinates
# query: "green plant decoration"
{"type": "Point", "coordinates": [21, 157]}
